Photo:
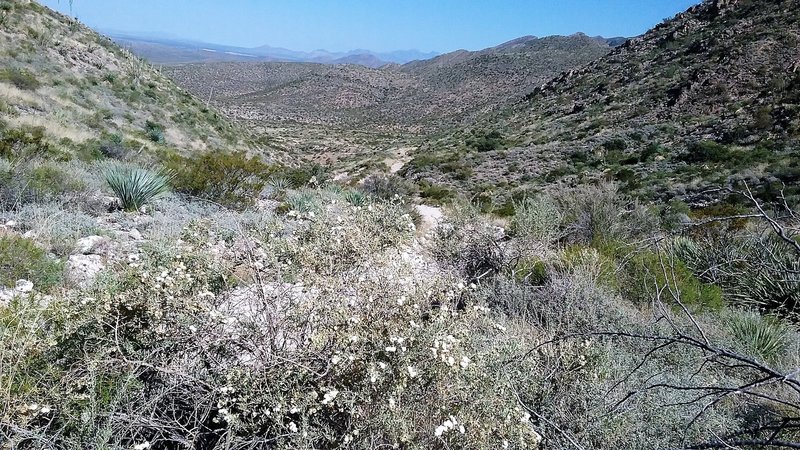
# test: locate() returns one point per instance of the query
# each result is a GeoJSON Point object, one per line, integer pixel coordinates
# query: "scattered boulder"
{"type": "Point", "coordinates": [82, 269]}
{"type": "Point", "coordinates": [91, 245]}
{"type": "Point", "coordinates": [23, 286]}
{"type": "Point", "coordinates": [135, 234]}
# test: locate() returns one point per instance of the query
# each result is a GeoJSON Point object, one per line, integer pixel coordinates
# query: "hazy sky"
{"type": "Point", "coordinates": [380, 25]}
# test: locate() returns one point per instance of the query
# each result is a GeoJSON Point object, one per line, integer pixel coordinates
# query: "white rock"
{"type": "Point", "coordinates": [82, 269]}
{"type": "Point", "coordinates": [24, 286]}
{"type": "Point", "coordinates": [6, 295]}
{"type": "Point", "coordinates": [89, 244]}
{"type": "Point", "coordinates": [135, 234]}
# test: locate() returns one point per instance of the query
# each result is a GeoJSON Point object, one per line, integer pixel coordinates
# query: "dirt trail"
{"type": "Point", "coordinates": [399, 158]}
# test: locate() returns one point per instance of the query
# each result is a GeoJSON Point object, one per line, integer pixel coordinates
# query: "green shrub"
{"type": "Point", "coordinates": [23, 79]}
{"type": "Point", "coordinates": [135, 186]}
{"type": "Point", "coordinates": [303, 202]}
{"type": "Point", "coordinates": [25, 143]}
{"type": "Point", "coordinates": [435, 194]}
{"type": "Point", "coordinates": [538, 219]}
{"type": "Point", "coordinates": [484, 141]}
{"type": "Point", "coordinates": [706, 152]}
{"type": "Point", "coordinates": [355, 198]}
{"type": "Point", "coordinates": [386, 187]}
{"type": "Point", "coordinates": [648, 271]}
{"type": "Point", "coordinates": [230, 179]}
{"type": "Point", "coordinates": [20, 258]}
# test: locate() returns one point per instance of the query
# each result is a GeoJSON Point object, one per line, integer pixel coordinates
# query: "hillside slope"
{"type": "Point", "coordinates": [419, 96]}
{"type": "Point", "coordinates": [76, 87]}
{"type": "Point", "coordinates": [708, 97]}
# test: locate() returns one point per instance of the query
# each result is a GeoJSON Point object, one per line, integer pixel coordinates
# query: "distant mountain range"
{"type": "Point", "coordinates": [168, 50]}
{"type": "Point", "coordinates": [161, 49]}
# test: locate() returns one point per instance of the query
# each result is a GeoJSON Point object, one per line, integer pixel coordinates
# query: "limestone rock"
{"type": "Point", "coordinates": [82, 269]}
{"type": "Point", "coordinates": [91, 245]}
{"type": "Point", "coordinates": [24, 286]}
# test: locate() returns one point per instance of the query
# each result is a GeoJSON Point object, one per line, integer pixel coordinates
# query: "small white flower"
{"type": "Point", "coordinates": [464, 362]}
{"type": "Point", "coordinates": [335, 360]}
{"type": "Point", "coordinates": [391, 349]}
{"type": "Point", "coordinates": [412, 372]}
{"type": "Point", "coordinates": [505, 443]}
{"type": "Point", "coordinates": [46, 410]}
{"type": "Point", "coordinates": [293, 427]}
{"type": "Point", "coordinates": [439, 430]}
{"type": "Point", "coordinates": [329, 396]}
{"type": "Point", "coordinates": [141, 446]}
{"type": "Point", "coordinates": [461, 429]}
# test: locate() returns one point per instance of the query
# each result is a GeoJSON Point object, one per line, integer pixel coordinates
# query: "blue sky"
{"type": "Point", "coordinates": [379, 25]}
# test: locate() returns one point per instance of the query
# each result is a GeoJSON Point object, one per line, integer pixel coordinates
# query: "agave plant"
{"type": "Point", "coordinates": [135, 186]}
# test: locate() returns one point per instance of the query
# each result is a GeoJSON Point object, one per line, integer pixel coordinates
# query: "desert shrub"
{"type": "Point", "coordinates": [328, 246]}
{"type": "Point", "coordinates": [593, 214]}
{"type": "Point", "coordinates": [484, 141]}
{"type": "Point", "coordinates": [20, 258]}
{"type": "Point", "coordinates": [38, 182]}
{"type": "Point", "coordinates": [302, 201]}
{"type": "Point", "coordinates": [231, 179]}
{"type": "Point", "coordinates": [386, 187]}
{"type": "Point", "coordinates": [276, 187]}
{"type": "Point", "coordinates": [25, 143]}
{"type": "Point", "coordinates": [762, 336]}
{"type": "Point", "coordinates": [706, 152]}
{"type": "Point", "coordinates": [468, 244]}
{"type": "Point", "coordinates": [435, 194]}
{"type": "Point", "coordinates": [753, 268]}
{"type": "Point", "coordinates": [135, 186]}
{"type": "Point", "coordinates": [537, 219]}
{"type": "Point", "coordinates": [20, 78]}
{"type": "Point", "coordinates": [650, 274]}
{"type": "Point", "coordinates": [56, 228]}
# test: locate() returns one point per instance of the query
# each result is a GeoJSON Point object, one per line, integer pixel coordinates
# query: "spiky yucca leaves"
{"type": "Point", "coordinates": [754, 270]}
{"type": "Point", "coordinates": [355, 198]}
{"type": "Point", "coordinates": [135, 186]}
{"type": "Point", "coordinates": [763, 336]}
{"type": "Point", "coordinates": [302, 202]}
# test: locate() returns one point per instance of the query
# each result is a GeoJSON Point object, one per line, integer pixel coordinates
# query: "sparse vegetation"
{"type": "Point", "coordinates": [327, 306]}
{"type": "Point", "coordinates": [21, 259]}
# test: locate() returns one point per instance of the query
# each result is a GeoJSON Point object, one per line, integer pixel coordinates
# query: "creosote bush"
{"type": "Point", "coordinates": [230, 179]}
{"type": "Point", "coordinates": [20, 258]}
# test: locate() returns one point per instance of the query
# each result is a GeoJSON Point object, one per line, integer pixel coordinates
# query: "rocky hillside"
{"type": "Point", "coordinates": [711, 95]}
{"type": "Point", "coordinates": [419, 96]}
{"type": "Point", "coordinates": [64, 84]}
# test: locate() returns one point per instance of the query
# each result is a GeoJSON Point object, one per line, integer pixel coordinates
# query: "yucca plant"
{"type": "Point", "coordinates": [135, 186]}
{"type": "Point", "coordinates": [355, 198]}
{"type": "Point", "coordinates": [763, 336]}
{"type": "Point", "coordinates": [302, 202]}
{"type": "Point", "coordinates": [277, 187]}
